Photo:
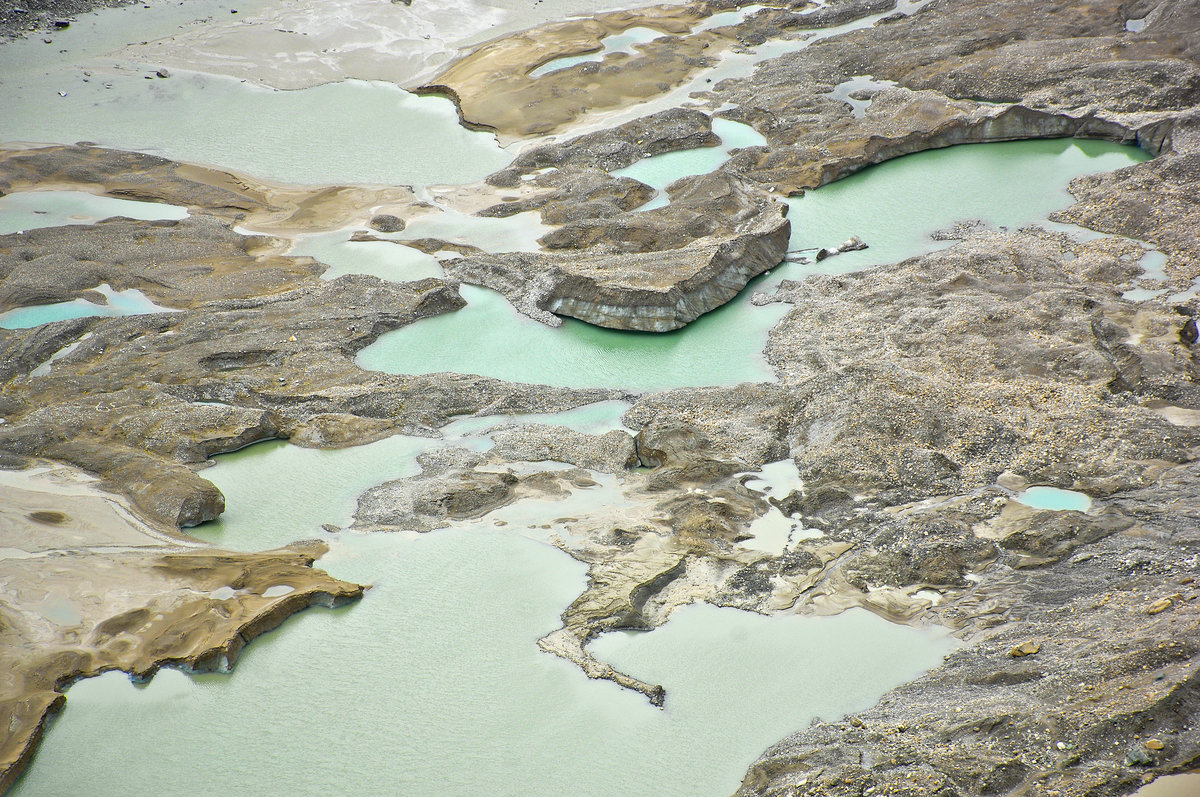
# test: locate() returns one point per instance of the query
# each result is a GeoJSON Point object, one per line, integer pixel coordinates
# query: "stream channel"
{"type": "Point", "coordinates": [434, 684]}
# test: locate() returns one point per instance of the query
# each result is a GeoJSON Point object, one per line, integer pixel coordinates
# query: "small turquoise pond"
{"type": "Point", "coordinates": [130, 302]}
{"type": "Point", "coordinates": [27, 210]}
{"type": "Point", "coordinates": [1054, 498]}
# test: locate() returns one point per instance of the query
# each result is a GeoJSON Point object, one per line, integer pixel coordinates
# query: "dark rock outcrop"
{"type": "Point", "coordinates": [665, 278]}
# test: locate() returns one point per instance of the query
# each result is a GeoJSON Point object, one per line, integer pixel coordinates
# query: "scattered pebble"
{"type": "Point", "coordinates": [1160, 605]}
{"type": "Point", "coordinates": [1025, 649]}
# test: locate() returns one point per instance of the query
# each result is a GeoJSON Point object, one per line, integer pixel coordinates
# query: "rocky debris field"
{"type": "Point", "coordinates": [21, 17]}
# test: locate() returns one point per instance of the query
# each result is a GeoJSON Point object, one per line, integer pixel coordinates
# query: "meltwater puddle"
{"type": "Point", "coordinates": [28, 210]}
{"type": "Point", "coordinates": [1055, 499]}
{"type": "Point", "coordinates": [622, 42]}
{"type": "Point", "coordinates": [433, 684]}
{"type": "Point", "coordinates": [627, 40]}
{"type": "Point", "coordinates": [120, 303]}
{"type": "Point", "coordinates": [661, 170]}
{"type": "Point", "coordinates": [775, 532]}
{"type": "Point", "coordinates": [859, 84]}
{"type": "Point", "coordinates": [894, 207]}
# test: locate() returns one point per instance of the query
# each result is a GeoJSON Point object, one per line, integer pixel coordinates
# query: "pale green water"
{"type": "Point", "coordinates": [27, 210]}
{"type": "Point", "coordinates": [349, 132]}
{"type": "Point", "coordinates": [381, 259]}
{"type": "Point", "coordinates": [728, 17]}
{"type": "Point", "coordinates": [894, 207]}
{"type": "Point", "coordinates": [434, 685]}
{"type": "Point", "coordinates": [1054, 498]}
{"type": "Point", "coordinates": [325, 483]}
{"type": "Point", "coordinates": [662, 170]}
{"type": "Point", "coordinates": [489, 337]}
{"type": "Point", "coordinates": [774, 531]}
{"type": "Point", "coordinates": [622, 42]}
{"type": "Point", "coordinates": [130, 302]}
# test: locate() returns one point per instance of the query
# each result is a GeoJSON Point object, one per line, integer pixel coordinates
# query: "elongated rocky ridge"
{"type": "Point", "coordinates": [643, 291]}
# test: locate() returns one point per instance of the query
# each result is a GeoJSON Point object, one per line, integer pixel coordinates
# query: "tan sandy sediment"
{"type": "Point", "coordinates": [272, 208]}
{"type": "Point", "coordinates": [493, 89]}
{"type": "Point", "coordinates": [303, 44]}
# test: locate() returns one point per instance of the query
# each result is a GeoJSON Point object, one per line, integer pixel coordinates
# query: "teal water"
{"type": "Point", "coordinates": [1056, 499]}
{"type": "Point", "coordinates": [382, 259]}
{"type": "Point", "coordinates": [894, 207]}
{"type": "Point", "coordinates": [434, 685]}
{"type": "Point", "coordinates": [325, 483]}
{"type": "Point", "coordinates": [27, 210]}
{"type": "Point", "coordinates": [489, 337]}
{"type": "Point", "coordinates": [129, 302]}
{"type": "Point", "coordinates": [518, 233]}
{"type": "Point", "coordinates": [662, 170]}
{"type": "Point", "coordinates": [728, 17]}
{"type": "Point", "coordinates": [622, 42]}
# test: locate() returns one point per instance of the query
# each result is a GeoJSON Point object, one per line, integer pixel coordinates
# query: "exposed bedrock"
{"type": "Point", "coordinates": [213, 192]}
{"type": "Point", "coordinates": [615, 147]}
{"type": "Point", "coordinates": [177, 263]}
{"type": "Point", "coordinates": [1091, 687]}
{"type": "Point", "coordinates": [651, 272]}
{"type": "Point", "coordinates": [120, 399]}
{"type": "Point", "coordinates": [1005, 352]}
